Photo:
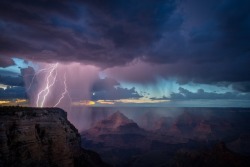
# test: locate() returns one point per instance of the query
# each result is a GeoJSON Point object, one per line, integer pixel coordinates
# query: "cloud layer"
{"type": "Point", "coordinates": [185, 94]}
{"type": "Point", "coordinates": [13, 92]}
{"type": "Point", "coordinates": [202, 42]}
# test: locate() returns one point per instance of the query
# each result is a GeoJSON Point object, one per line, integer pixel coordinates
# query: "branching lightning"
{"type": "Point", "coordinates": [50, 81]}
{"type": "Point", "coordinates": [36, 74]}
{"type": "Point", "coordinates": [64, 92]}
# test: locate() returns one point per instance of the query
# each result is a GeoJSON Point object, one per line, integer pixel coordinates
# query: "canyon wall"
{"type": "Point", "coordinates": [41, 137]}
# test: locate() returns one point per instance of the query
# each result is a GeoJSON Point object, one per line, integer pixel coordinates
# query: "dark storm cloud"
{"type": "Point", "coordinates": [210, 46]}
{"type": "Point", "coordinates": [199, 41]}
{"type": "Point", "coordinates": [108, 89]}
{"type": "Point", "coordinates": [104, 84]}
{"type": "Point", "coordinates": [116, 94]}
{"type": "Point", "coordinates": [15, 83]}
{"type": "Point", "coordinates": [213, 49]}
{"type": "Point", "coordinates": [242, 86]}
{"type": "Point", "coordinates": [11, 81]}
{"type": "Point", "coordinates": [106, 33]}
{"type": "Point", "coordinates": [9, 78]}
{"type": "Point", "coordinates": [185, 94]}
{"type": "Point", "coordinates": [13, 92]}
{"type": "Point", "coordinates": [6, 61]}
{"type": "Point", "coordinates": [131, 24]}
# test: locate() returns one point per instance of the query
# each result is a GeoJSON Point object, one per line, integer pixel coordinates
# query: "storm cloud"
{"type": "Point", "coordinates": [109, 89]}
{"type": "Point", "coordinates": [104, 84]}
{"type": "Point", "coordinates": [116, 94]}
{"type": "Point", "coordinates": [11, 81]}
{"type": "Point", "coordinates": [202, 42]}
{"type": "Point", "coordinates": [13, 92]}
{"type": "Point", "coordinates": [185, 94]}
{"type": "Point", "coordinates": [6, 62]}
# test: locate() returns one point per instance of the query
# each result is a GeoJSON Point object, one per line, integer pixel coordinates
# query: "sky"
{"type": "Point", "coordinates": [178, 53]}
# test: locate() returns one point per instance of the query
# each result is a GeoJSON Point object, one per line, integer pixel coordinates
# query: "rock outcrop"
{"type": "Point", "coordinates": [115, 130]}
{"type": "Point", "coordinates": [116, 139]}
{"type": "Point", "coordinates": [41, 137]}
{"type": "Point", "coordinates": [110, 124]}
{"type": "Point", "coordinates": [116, 123]}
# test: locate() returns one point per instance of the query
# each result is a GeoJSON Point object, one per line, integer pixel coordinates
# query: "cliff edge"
{"type": "Point", "coordinates": [41, 137]}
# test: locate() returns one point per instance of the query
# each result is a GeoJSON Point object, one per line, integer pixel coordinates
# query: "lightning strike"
{"type": "Point", "coordinates": [36, 74]}
{"type": "Point", "coordinates": [65, 91]}
{"type": "Point", "coordinates": [50, 81]}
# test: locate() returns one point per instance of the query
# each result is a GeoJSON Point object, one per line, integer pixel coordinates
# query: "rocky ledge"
{"type": "Point", "coordinates": [41, 137]}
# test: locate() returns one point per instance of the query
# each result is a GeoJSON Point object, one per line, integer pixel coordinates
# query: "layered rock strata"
{"type": "Point", "coordinates": [41, 137]}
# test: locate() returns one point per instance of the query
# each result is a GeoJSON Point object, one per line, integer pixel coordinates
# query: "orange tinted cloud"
{"type": "Point", "coordinates": [105, 102]}
{"type": "Point", "coordinates": [84, 103]}
{"type": "Point", "coordinates": [3, 102]}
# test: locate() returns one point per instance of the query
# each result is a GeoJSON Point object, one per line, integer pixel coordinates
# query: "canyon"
{"type": "Point", "coordinates": [41, 137]}
{"type": "Point", "coordinates": [44, 137]}
{"type": "Point", "coordinates": [185, 140]}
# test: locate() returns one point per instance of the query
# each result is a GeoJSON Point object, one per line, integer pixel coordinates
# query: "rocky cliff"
{"type": "Point", "coordinates": [41, 137]}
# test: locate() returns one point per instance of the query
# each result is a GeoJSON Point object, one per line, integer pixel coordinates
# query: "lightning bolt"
{"type": "Point", "coordinates": [50, 81]}
{"type": "Point", "coordinates": [36, 74]}
{"type": "Point", "coordinates": [64, 92]}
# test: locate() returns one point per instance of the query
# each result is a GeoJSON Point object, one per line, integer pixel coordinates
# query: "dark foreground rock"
{"type": "Point", "coordinates": [218, 156]}
{"type": "Point", "coordinates": [41, 137]}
